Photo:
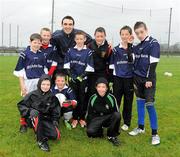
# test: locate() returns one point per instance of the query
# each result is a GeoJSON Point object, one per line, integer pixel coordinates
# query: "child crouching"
{"type": "Point", "coordinates": [66, 98]}
{"type": "Point", "coordinates": [41, 109]}
{"type": "Point", "coordinates": [103, 112]}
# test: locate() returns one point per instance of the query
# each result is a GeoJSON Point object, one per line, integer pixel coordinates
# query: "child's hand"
{"type": "Point", "coordinates": [23, 91]}
{"type": "Point", "coordinates": [79, 78]}
{"type": "Point", "coordinates": [148, 84]}
{"type": "Point", "coordinates": [56, 124]}
{"type": "Point", "coordinates": [110, 45]}
{"type": "Point", "coordinates": [74, 103]}
{"type": "Point", "coordinates": [131, 39]}
{"type": "Point", "coordinates": [33, 113]}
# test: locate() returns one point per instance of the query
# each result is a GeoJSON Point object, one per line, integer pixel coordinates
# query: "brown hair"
{"type": "Point", "coordinates": [140, 24]}
{"type": "Point", "coordinates": [100, 29]}
{"type": "Point", "coordinates": [35, 36]}
{"type": "Point", "coordinates": [126, 28]}
{"type": "Point", "coordinates": [80, 33]}
{"type": "Point", "coordinates": [45, 29]}
{"type": "Point", "coordinates": [60, 75]}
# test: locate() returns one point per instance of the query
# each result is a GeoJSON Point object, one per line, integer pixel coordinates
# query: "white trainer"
{"type": "Point", "coordinates": [155, 140]}
{"type": "Point", "coordinates": [136, 131]}
{"type": "Point", "coordinates": [125, 127]}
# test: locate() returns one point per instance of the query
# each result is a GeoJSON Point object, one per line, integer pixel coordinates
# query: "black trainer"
{"type": "Point", "coordinates": [114, 141]}
{"type": "Point", "coordinates": [43, 145]}
{"type": "Point", "coordinates": [23, 128]}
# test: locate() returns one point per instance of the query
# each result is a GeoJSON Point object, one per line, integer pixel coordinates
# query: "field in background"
{"type": "Point", "coordinates": [75, 143]}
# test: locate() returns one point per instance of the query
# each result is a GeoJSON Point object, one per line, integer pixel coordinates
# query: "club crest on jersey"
{"type": "Point", "coordinates": [107, 106]}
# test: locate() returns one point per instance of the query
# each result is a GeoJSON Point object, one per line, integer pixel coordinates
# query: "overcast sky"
{"type": "Point", "coordinates": [31, 15]}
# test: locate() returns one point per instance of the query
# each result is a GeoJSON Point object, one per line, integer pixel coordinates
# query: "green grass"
{"type": "Point", "coordinates": [75, 143]}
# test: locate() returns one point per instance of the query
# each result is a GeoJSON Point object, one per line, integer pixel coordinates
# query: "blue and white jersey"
{"type": "Point", "coordinates": [119, 63]}
{"type": "Point", "coordinates": [79, 61]}
{"type": "Point", "coordinates": [49, 52]}
{"type": "Point", "coordinates": [30, 65]}
{"type": "Point", "coordinates": [66, 91]}
{"type": "Point", "coordinates": [146, 52]}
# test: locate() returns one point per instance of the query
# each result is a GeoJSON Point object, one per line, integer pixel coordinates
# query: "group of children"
{"type": "Point", "coordinates": [70, 74]}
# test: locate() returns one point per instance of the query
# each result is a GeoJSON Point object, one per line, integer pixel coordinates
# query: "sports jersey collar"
{"type": "Point", "coordinates": [121, 46]}
{"type": "Point", "coordinates": [146, 39]}
{"type": "Point", "coordinates": [61, 89]}
{"type": "Point", "coordinates": [33, 51]}
{"type": "Point", "coordinates": [75, 47]}
{"type": "Point", "coordinates": [46, 46]}
{"type": "Point", "coordinates": [49, 45]}
{"type": "Point", "coordinates": [102, 43]}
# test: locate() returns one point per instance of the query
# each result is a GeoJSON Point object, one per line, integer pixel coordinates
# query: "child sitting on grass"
{"type": "Point", "coordinates": [42, 112]}
{"type": "Point", "coordinates": [66, 98]}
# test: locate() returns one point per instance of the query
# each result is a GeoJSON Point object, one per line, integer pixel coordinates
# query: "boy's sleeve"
{"type": "Point", "coordinates": [24, 106]}
{"type": "Point", "coordinates": [90, 63]}
{"type": "Point", "coordinates": [89, 110]}
{"type": "Point", "coordinates": [56, 111]}
{"type": "Point", "coordinates": [67, 60]}
{"type": "Point", "coordinates": [155, 52]}
{"type": "Point", "coordinates": [20, 66]}
{"type": "Point", "coordinates": [111, 62]}
{"type": "Point", "coordinates": [154, 59]}
{"type": "Point", "coordinates": [130, 52]}
{"type": "Point", "coordinates": [45, 65]}
{"type": "Point", "coordinates": [54, 61]}
{"type": "Point", "coordinates": [116, 108]}
{"type": "Point", "coordinates": [70, 94]}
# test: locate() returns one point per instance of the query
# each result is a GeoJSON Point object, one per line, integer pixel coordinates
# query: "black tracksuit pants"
{"type": "Point", "coordinates": [79, 89]}
{"type": "Point", "coordinates": [124, 87]}
{"type": "Point", "coordinates": [111, 121]}
{"type": "Point", "coordinates": [45, 129]}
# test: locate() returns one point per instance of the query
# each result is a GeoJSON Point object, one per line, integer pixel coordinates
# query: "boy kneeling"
{"type": "Point", "coordinates": [42, 110]}
{"type": "Point", "coordinates": [103, 112]}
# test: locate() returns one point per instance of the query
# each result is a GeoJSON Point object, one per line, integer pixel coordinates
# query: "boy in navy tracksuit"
{"type": "Point", "coordinates": [122, 65]}
{"type": "Point", "coordinates": [147, 55]}
{"type": "Point", "coordinates": [46, 47]}
{"type": "Point", "coordinates": [103, 112]}
{"type": "Point", "coordinates": [79, 61]}
{"type": "Point", "coordinates": [66, 98]}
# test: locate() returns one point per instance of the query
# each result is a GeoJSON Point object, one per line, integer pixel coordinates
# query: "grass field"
{"type": "Point", "coordinates": [75, 143]}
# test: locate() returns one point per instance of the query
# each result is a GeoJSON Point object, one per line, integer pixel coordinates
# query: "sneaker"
{"type": "Point", "coordinates": [82, 123]}
{"type": "Point", "coordinates": [114, 141]}
{"type": "Point", "coordinates": [67, 125]}
{"type": "Point", "coordinates": [155, 140]}
{"type": "Point", "coordinates": [74, 124]}
{"type": "Point", "coordinates": [43, 145]}
{"type": "Point", "coordinates": [23, 128]}
{"type": "Point", "coordinates": [125, 127]}
{"type": "Point", "coordinates": [136, 131]}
